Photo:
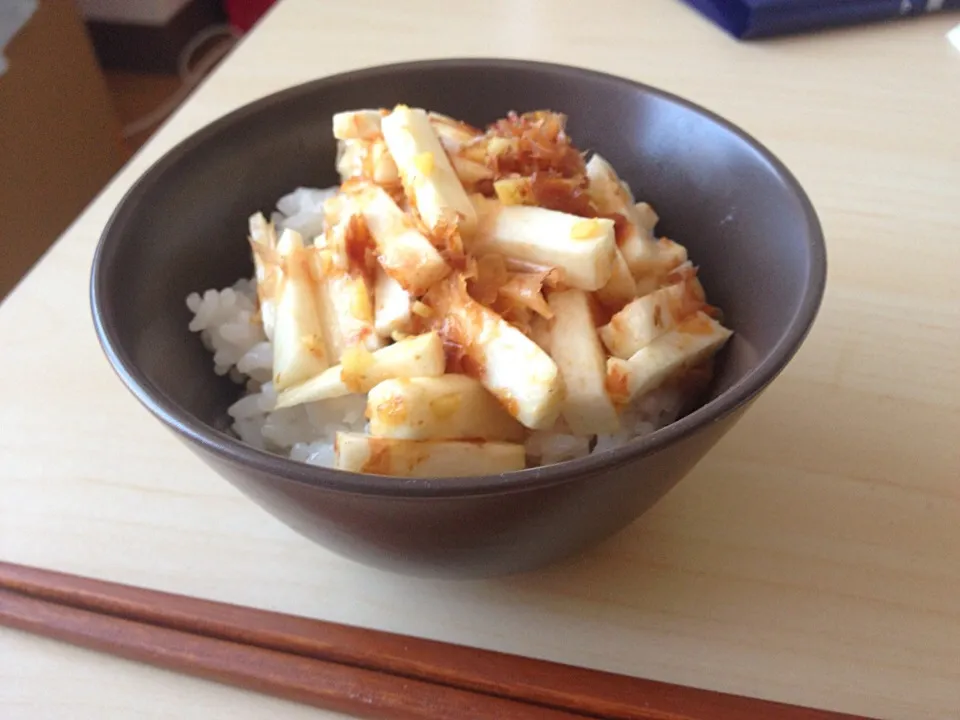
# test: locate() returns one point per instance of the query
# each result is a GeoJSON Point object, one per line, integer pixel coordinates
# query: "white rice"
{"type": "Point", "coordinates": [302, 210]}
{"type": "Point", "coordinates": [228, 328]}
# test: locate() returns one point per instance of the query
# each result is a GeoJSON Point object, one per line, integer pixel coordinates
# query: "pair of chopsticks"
{"type": "Point", "coordinates": [350, 670]}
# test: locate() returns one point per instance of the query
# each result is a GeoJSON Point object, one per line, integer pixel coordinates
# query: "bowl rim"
{"type": "Point", "coordinates": [236, 453]}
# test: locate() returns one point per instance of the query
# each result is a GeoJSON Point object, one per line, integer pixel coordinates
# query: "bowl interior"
{"type": "Point", "coordinates": [182, 228]}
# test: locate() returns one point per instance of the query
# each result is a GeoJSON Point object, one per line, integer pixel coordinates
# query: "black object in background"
{"type": "Point", "coordinates": [750, 19]}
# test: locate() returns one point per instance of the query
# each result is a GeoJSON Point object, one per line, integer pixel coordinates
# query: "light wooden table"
{"type": "Point", "coordinates": [813, 557]}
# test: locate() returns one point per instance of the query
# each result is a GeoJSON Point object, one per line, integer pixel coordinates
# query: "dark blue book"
{"type": "Point", "coordinates": [750, 19]}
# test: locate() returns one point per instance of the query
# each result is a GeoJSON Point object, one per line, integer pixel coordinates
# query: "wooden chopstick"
{"type": "Point", "coordinates": [332, 686]}
{"type": "Point", "coordinates": [355, 670]}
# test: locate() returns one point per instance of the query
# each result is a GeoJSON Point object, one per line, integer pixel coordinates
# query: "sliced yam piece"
{"type": "Point", "coordinates": [267, 271]}
{"type": "Point", "coordinates": [425, 458]}
{"type": "Point", "coordinates": [515, 191]}
{"type": "Point", "coordinates": [334, 209]}
{"type": "Point", "coordinates": [357, 124]}
{"type": "Point", "coordinates": [576, 349]}
{"type": "Point", "coordinates": [380, 164]}
{"type": "Point", "coordinates": [621, 288]}
{"type": "Point", "coordinates": [639, 252]}
{"type": "Point", "coordinates": [452, 133]}
{"type": "Point", "coordinates": [344, 222]}
{"type": "Point", "coordinates": [470, 172]}
{"type": "Point", "coordinates": [583, 249]}
{"type": "Point", "coordinates": [694, 340]}
{"type": "Point", "coordinates": [643, 320]}
{"type": "Point", "coordinates": [524, 290]}
{"type": "Point", "coordinates": [608, 192]}
{"type": "Point", "coordinates": [556, 275]}
{"type": "Point", "coordinates": [366, 159]}
{"type": "Point", "coordinates": [540, 333]}
{"type": "Point", "coordinates": [652, 269]}
{"type": "Point", "coordinates": [360, 370]}
{"type": "Point", "coordinates": [351, 299]}
{"type": "Point", "coordinates": [351, 159]}
{"type": "Point", "coordinates": [429, 179]}
{"type": "Point", "coordinates": [670, 255]}
{"type": "Point", "coordinates": [290, 241]}
{"type": "Point", "coordinates": [671, 258]}
{"type": "Point", "coordinates": [346, 240]}
{"type": "Point", "coordinates": [299, 348]}
{"type": "Point", "coordinates": [646, 217]}
{"type": "Point", "coordinates": [392, 306]}
{"type": "Point", "coordinates": [648, 284]}
{"type": "Point", "coordinates": [366, 125]}
{"type": "Point", "coordinates": [263, 234]}
{"type": "Point", "coordinates": [449, 407]}
{"type": "Point", "coordinates": [345, 305]}
{"type": "Point", "coordinates": [406, 255]}
{"type": "Point", "coordinates": [344, 293]}
{"type": "Point", "coordinates": [510, 365]}
{"type": "Point", "coordinates": [611, 195]}
{"type": "Point", "coordinates": [486, 275]}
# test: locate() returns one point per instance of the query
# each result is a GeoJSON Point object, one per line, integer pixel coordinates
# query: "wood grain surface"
{"type": "Point", "coordinates": [330, 686]}
{"type": "Point", "coordinates": [332, 666]}
{"type": "Point", "coordinates": [809, 559]}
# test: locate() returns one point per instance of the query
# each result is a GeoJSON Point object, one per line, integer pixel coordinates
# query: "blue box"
{"type": "Point", "coordinates": [751, 19]}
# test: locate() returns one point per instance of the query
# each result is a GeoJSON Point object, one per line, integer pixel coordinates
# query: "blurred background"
{"type": "Point", "coordinates": [83, 84]}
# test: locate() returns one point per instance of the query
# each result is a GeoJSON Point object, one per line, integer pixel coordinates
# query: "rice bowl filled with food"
{"type": "Point", "coordinates": [466, 302]}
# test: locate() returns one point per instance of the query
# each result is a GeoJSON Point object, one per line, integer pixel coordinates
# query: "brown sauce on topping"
{"type": "Point", "coordinates": [471, 367]}
{"type": "Point", "coordinates": [601, 315]}
{"type": "Point", "coordinates": [380, 461]}
{"type": "Point", "coordinates": [455, 259]}
{"type": "Point", "coordinates": [360, 249]}
{"type": "Point", "coordinates": [713, 312]}
{"type": "Point", "coordinates": [697, 325]}
{"type": "Point", "coordinates": [393, 410]}
{"type": "Point", "coordinates": [621, 227]}
{"type": "Point", "coordinates": [617, 384]}
{"type": "Point", "coordinates": [567, 195]}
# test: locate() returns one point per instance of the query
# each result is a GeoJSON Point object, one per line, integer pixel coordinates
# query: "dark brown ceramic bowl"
{"type": "Point", "coordinates": [182, 228]}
